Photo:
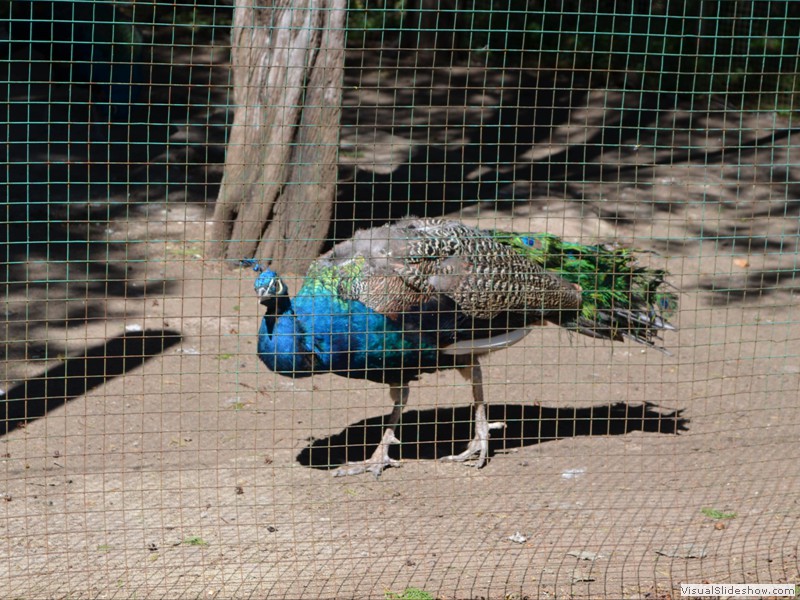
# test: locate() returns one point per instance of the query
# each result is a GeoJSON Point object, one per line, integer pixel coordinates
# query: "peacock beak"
{"type": "Point", "coordinates": [263, 295]}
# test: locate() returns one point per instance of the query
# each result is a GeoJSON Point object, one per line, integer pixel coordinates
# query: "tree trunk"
{"type": "Point", "coordinates": [278, 187]}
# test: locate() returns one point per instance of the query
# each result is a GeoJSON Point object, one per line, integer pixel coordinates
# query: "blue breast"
{"type": "Point", "coordinates": [350, 339]}
{"type": "Point", "coordinates": [283, 349]}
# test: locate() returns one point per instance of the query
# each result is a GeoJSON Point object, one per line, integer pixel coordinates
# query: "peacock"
{"type": "Point", "coordinates": [420, 295]}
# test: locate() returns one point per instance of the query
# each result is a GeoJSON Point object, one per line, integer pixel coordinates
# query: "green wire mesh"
{"type": "Point", "coordinates": [147, 453]}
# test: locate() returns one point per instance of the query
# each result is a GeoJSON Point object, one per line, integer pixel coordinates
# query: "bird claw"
{"type": "Point", "coordinates": [376, 463]}
{"type": "Point", "coordinates": [479, 445]}
{"type": "Point", "coordinates": [375, 467]}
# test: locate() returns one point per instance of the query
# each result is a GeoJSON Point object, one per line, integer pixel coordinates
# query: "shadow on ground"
{"type": "Point", "coordinates": [434, 433]}
{"type": "Point", "coordinates": [460, 136]}
{"type": "Point", "coordinates": [77, 375]}
{"type": "Point", "coordinates": [82, 197]}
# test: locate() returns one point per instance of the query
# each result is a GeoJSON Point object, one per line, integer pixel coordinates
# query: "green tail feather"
{"type": "Point", "coordinates": [620, 299]}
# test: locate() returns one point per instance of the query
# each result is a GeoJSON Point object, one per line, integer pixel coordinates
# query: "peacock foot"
{"type": "Point", "coordinates": [479, 446]}
{"type": "Point", "coordinates": [376, 463]}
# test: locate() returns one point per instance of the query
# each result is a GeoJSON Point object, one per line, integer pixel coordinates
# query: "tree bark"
{"type": "Point", "coordinates": [279, 182]}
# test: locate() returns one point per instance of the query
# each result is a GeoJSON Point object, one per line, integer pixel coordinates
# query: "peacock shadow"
{"type": "Point", "coordinates": [434, 433]}
{"type": "Point", "coordinates": [77, 375]}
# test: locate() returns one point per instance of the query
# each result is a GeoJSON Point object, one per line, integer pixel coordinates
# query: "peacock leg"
{"type": "Point", "coordinates": [479, 446]}
{"type": "Point", "coordinates": [379, 460]}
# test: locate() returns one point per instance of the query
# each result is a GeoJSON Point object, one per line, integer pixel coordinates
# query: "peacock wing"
{"type": "Point", "coordinates": [482, 273]}
{"type": "Point", "coordinates": [402, 266]}
{"type": "Point", "coordinates": [365, 270]}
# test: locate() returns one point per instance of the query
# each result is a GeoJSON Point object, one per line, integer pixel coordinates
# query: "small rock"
{"type": "Point", "coordinates": [518, 538]}
{"type": "Point", "coordinates": [573, 473]}
{"type": "Point", "coordinates": [742, 263]}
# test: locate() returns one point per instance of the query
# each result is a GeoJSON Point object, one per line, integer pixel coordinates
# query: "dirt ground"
{"type": "Point", "coordinates": [168, 463]}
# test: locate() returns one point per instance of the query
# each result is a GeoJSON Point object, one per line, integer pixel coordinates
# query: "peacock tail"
{"type": "Point", "coordinates": [619, 298]}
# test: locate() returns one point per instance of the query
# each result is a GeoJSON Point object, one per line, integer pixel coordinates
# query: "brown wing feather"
{"type": "Point", "coordinates": [404, 264]}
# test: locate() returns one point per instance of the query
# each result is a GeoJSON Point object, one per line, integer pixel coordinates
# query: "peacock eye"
{"type": "Point", "coordinates": [277, 287]}
{"type": "Point", "coordinates": [531, 242]}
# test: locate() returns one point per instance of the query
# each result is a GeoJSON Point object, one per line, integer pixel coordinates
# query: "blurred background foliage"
{"type": "Point", "coordinates": [745, 51]}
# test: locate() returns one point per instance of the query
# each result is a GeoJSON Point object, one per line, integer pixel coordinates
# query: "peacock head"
{"type": "Point", "coordinates": [270, 289]}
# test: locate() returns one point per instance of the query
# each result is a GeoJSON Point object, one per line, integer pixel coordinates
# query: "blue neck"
{"type": "Point", "coordinates": [282, 346]}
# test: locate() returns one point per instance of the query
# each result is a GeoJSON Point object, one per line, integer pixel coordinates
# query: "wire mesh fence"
{"type": "Point", "coordinates": [183, 374]}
